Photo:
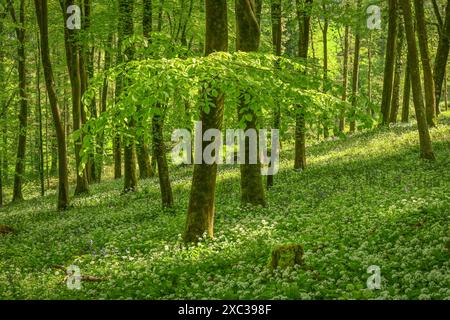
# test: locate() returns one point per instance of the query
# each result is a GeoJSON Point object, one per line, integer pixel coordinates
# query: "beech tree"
{"type": "Point", "coordinates": [200, 217]}
{"type": "Point", "coordinates": [426, 148]}
{"type": "Point", "coordinates": [389, 63]}
{"type": "Point", "coordinates": [248, 35]}
{"type": "Point", "coordinates": [41, 8]}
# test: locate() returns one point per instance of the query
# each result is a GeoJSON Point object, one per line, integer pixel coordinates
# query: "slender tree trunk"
{"type": "Point", "coordinates": [430, 98]}
{"type": "Point", "coordinates": [446, 90]}
{"type": "Point", "coordinates": [42, 17]}
{"type": "Point", "coordinates": [442, 53]}
{"type": "Point", "coordinates": [426, 148]}
{"type": "Point", "coordinates": [142, 148]}
{"type": "Point", "coordinates": [126, 9]}
{"type": "Point", "coordinates": [2, 114]}
{"type": "Point", "coordinates": [395, 103]}
{"type": "Point", "coordinates": [406, 94]}
{"type": "Point", "coordinates": [277, 33]}
{"type": "Point", "coordinates": [369, 75]}
{"type": "Point", "coordinates": [248, 35]}
{"type": "Point", "coordinates": [355, 77]}
{"type": "Point", "coordinates": [87, 72]}
{"type": "Point", "coordinates": [159, 150]}
{"type": "Point", "coordinates": [73, 66]}
{"type": "Point", "coordinates": [326, 24]}
{"type": "Point", "coordinates": [23, 113]}
{"type": "Point", "coordinates": [39, 109]}
{"type": "Point", "coordinates": [304, 18]}
{"type": "Point", "coordinates": [345, 77]}
{"type": "Point", "coordinates": [389, 61]}
{"type": "Point", "coordinates": [103, 106]}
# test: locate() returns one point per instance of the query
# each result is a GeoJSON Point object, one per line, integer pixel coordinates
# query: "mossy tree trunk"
{"type": "Point", "coordinates": [23, 110]}
{"type": "Point", "coordinates": [159, 151]}
{"type": "Point", "coordinates": [406, 93]}
{"type": "Point", "coordinates": [304, 18]}
{"type": "Point", "coordinates": [142, 148]}
{"type": "Point", "coordinates": [200, 217]}
{"type": "Point", "coordinates": [73, 66]}
{"type": "Point", "coordinates": [426, 148]}
{"type": "Point", "coordinates": [395, 103]}
{"type": "Point", "coordinates": [42, 17]}
{"type": "Point", "coordinates": [389, 61]}
{"type": "Point", "coordinates": [345, 76]}
{"type": "Point", "coordinates": [442, 54]}
{"type": "Point", "coordinates": [355, 76]}
{"type": "Point", "coordinates": [277, 34]}
{"type": "Point", "coordinates": [103, 106]}
{"type": "Point", "coordinates": [126, 30]}
{"type": "Point", "coordinates": [430, 98]}
{"type": "Point", "coordinates": [248, 36]}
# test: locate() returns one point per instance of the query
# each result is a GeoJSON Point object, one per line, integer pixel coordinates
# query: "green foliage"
{"type": "Point", "coordinates": [367, 200]}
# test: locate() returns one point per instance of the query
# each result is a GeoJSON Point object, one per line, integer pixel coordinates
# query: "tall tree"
{"type": "Point", "coordinates": [345, 76]}
{"type": "Point", "coordinates": [200, 217]}
{"type": "Point", "coordinates": [160, 152]}
{"type": "Point", "coordinates": [23, 113]}
{"type": "Point", "coordinates": [442, 53]}
{"type": "Point", "coordinates": [389, 62]}
{"type": "Point", "coordinates": [304, 18]}
{"type": "Point", "coordinates": [355, 76]}
{"type": "Point", "coordinates": [395, 103]}
{"type": "Point", "coordinates": [430, 98]}
{"type": "Point", "coordinates": [142, 148]}
{"type": "Point", "coordinates": [426, 147]}
{"type": "Point", "coordinates": [248, 36]}
{"type": "Point", "coordinates": [277, 34]}
{"type": "Point", "coordinates": [126, 29]}
{"type": "Point", "coordinates": [41, 8]}
{"type": "Point", "coordinates": [406, 93]}
{"type": "Point", "coordinates": [73, 65]}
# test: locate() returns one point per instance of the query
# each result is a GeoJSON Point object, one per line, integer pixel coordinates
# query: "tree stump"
{"type": "Point", "coordinates": [288, 255]}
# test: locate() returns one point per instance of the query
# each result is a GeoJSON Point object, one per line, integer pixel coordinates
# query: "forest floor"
{"type": "Point", "coordinates": [367, 200]}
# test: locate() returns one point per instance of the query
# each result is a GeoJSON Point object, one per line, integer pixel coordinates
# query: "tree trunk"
{"type": "Point", "coordinates": [440, 64]}
{"type": "Point", "coordinates": [2, 115]}
{"type": "Point", "coordinates": [200, 217]}
{"type": "Point", "coordinates": [159, 150]}
{"type": "Point", "coordinates": [430, 98]}
{"type": "Point", "coordinates": [326, 24]}
{"type": "Point", "coordinates": [395, 103]}
{"type": "Point", "coordinates": [277, 33]}
{"type": "Point", "coordinates": [126, 29]}
{"type": "Point", "coordinates": [248, 35]}
{"type": "Point", "coordinates": [23, 113]}
{"type": "Point", "coordinates": [73, 66]}
{"type": "Point", "coordinates": [355, 77]}
{"type": "Point", "coordinates": [426, 148]}
{"type": "Point", "coordinates": [406, 94]}
{"type": "Point", "coordinates": [389, 61]}
{"type": "Point", "coordinates": [143, 150]}
{"type": "Point", "coordinates": [304, 18]}
{"type": "Point", "coordinates": [103, 106]}
{"type": "Point", "coordinates": [345, 77]}
{"type": "Point", "coordinates": [369, 74]}
{"type": "Point", "coordinates": [39, 112]}
{"type": "Point", "coordinates": [42, 17]}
